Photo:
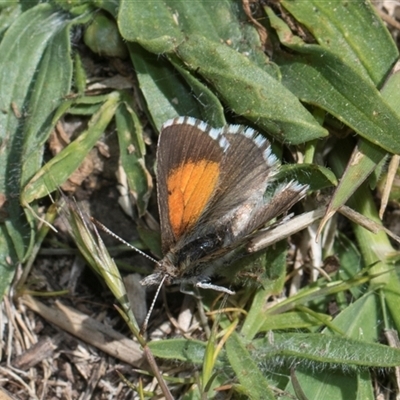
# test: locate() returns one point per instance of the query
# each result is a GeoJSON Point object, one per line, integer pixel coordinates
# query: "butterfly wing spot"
{"type": "Point", "coordinates": [190, 187]}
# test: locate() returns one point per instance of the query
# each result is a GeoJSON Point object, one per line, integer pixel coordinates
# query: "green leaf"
{"type": "Point", "coordinates": [320, 78]}
{"type": "Point", "coordinates": [350, 30]}
{"type": "Point", "coordinates": [249, 90]}
{"type": "Point", "coordinates": [111, 6]}
{"type": "Point", "coordinates": [391, 91]}
{"type": "Point", "coordinates": [163, 24]}
{"type": "Point", "coordinates": [360, 319]}
{"type": "Point", "coordinates": [365, 389]}
{"type": "Point", "coordinates": [179, 349]}
{"type": "Point", "coordinates": [9, 12]}
{"type": "Point", "coordinates": [151, 239]}
{"type": "Point", "coordinates": [341, 385]}
{"type": "Point", "coordinates": [102, 37]}
{"type": "Point", "coordinates": [151, 24]}
{"type": "Point", "coordinates": [8, 260]}
{"type": "Point", "coordinates": [211, 109]}
{"type": "Point", "coordinates": [80, 75]}
{"type": "Point", "coordinates": [252, 380]}
{"type": "Point", "coordinates": [319, 348]}
{"type": "Point", "coordinates": [365, 158]}
{"type": "Point", "coordinates": [166, 93]}
{"type": "Point", "coordinates": [292, 320]}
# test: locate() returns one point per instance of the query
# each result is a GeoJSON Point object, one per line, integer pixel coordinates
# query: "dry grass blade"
{"type": "Point", "coordinates": [392, 170]}
{"type": "Point", "coordinates": [296, 224]}
{"type": "Point", "coordinates": [89, 330]}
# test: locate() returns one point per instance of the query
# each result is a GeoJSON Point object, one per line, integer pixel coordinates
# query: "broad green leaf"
{"type": "Point", "coordinates": [102, 37]}
{"type": "Point", "coordinates": [179, 349]}
{"type": "Point", "coordinates": [249, 90]}
{"type": "Point", "coordinates": [340, 385]}
{"type": "Point", "coordinates": [360, 319]}
{"type": "Point", "coordinates": [163, 24]}
{"type": "Point", "coordinates": [17, 68]}
{"type": "Point", "coordinates": [391, 91]}
{"type": "Point", "coordinates": [152, 24]}
{"type": "Point", "coordinates": [51, 84]}
{"type": "Point", "coordinates": [365, 387]}
{"type": "Point", "coordinates": [350, 30]}
{"type": "Point", "coordinates": [111, 6]}
{"type": "Point", "coordinates": [252, 381]}
{"type": "Point", "coordinates": [292, 320]}
{"type": "Point", "coordinates": [18, 65]}
{"type": "Point", "coordinates": [9, 12]}
{"type": "Point", "coordinates": [211, 109]}
{"type": "Point", "coordinates": [318, 77]}
{"type": "Point", "coordinates": [320, 348]}
{"type": "Point", "coordinates": [166, 93]}
{"type": "Point", "coordinates": [357, 36]}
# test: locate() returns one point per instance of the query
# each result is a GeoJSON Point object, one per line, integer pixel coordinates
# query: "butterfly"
{"type": "Point", "coordinates": [211, 185]}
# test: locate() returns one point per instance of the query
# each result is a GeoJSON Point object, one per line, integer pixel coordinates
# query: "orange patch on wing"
{"type": "Point", "coordinates": [190, 187]}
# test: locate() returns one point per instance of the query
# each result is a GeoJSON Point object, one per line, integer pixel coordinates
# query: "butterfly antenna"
{"type": "Point", "coordinates": [105, 229]}
{"type": "Point", "coordinates": [153, 303]}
